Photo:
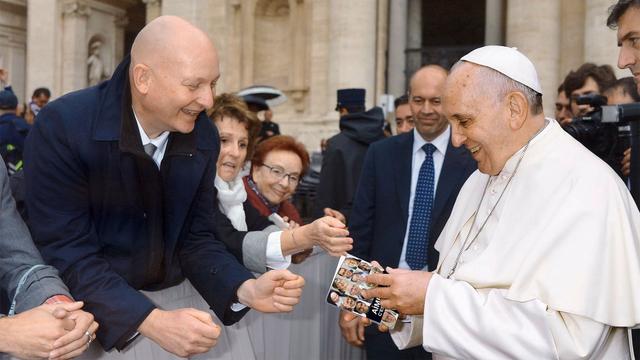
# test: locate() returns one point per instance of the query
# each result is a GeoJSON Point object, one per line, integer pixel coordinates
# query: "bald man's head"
{"type": "Point", "coordinates": [173, 72]}
{"type": "Point", "coordinates": [426, 72]}
{"type": "Point", "coordinates": [425, 100]}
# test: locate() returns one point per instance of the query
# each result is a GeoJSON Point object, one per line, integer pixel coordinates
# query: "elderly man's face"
{"type": "Point", "coordinates": [629, 42]}
{"type": "Point", "coordinates": [425, 101]}
{"type": "Point", "coordinates": [477, 120]}
{"type": "Point", "coordinates": [181, 87]}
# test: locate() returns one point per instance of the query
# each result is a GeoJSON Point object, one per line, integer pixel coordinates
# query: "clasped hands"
{"type": "Point", "coordinates": [49, 331]}
{"type": "Point", "coordinates": [399, 289]}
{"type": "Point", "coordinates": [187, 332]}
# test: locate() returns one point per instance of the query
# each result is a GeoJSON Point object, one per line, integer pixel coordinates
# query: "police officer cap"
{"type": "Point", "coordinates": [8, 100]}
{"type": "Point", "coordinates": [350, 97]}
{"type": "Point", "coordinates": [255, 103]}
{"type": "Point", "coordinates": [507, 61]}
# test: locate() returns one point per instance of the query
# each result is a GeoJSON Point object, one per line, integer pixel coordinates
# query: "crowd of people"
{"type": "Point", "coordinates": [148, 217]}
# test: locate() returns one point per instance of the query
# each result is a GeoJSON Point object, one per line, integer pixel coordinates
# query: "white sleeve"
{"type": "Point", "coordinates": [275, 259]}
{"type": "Point", "coordinates": [407, 333]}
{"type": "Point", "coordinates": [463, 322]}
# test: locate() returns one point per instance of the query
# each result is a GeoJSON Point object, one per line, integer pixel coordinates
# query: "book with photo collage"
{"type": "Point", "coordinates": [346, 288]}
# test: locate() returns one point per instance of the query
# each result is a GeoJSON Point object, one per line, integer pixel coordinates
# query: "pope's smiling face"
{"type": "Point", "coordinates": [478, 119]}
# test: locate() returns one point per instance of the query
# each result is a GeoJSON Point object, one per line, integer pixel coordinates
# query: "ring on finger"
{"type": "Point", "coordinates": [89, 337]}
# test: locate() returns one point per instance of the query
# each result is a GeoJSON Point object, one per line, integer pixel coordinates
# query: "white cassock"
{"type": "Point", "coordinates": [554, 273]}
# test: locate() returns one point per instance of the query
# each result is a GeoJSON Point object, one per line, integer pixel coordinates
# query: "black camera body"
{"type": "Point", "coordinates": [605, 131]}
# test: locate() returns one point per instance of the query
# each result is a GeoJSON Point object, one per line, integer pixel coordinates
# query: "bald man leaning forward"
{"type": "Point", "coordinates": [120, 192]}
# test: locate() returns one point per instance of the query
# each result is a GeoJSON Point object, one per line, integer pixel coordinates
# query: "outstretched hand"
{"type": "Point", "coordinates": [274, 291]}
{"type": "Point", "coordinates": [331, 234]}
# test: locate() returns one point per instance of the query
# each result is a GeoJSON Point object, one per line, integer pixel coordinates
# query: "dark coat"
{"type": "Point", "coordinates": [379, 218]}
{"type": "Point", "coordinates": [111, 222]}
{"type": "Point", "coordinates": [342, 161]}
{"type": "Point", "coordinates": [13, 131]}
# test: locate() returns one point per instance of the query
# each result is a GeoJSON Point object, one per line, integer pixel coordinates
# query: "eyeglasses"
{"type": "Point", "coordinates": [279, 173]}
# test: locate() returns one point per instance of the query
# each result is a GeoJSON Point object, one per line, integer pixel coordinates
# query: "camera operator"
{"type": "Point", "coordinates": [625, 17]}
{"type": "Point", "coordinates": [563, 107]}
{"type": "Point", "coordinates": [588, 79]}
{"type": "Point", "coordinates": [623, 91]}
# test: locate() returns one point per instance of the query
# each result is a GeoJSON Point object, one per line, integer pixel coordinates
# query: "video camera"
{"type": "Point", "coordinates": [606, 130]}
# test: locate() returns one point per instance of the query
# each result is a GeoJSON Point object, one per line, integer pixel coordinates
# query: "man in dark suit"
{"type": "Point", "coordinates": [407, 189]}
{"type": "Point", "coordinates": [121, 197]}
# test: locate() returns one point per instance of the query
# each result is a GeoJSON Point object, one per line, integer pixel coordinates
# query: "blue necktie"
{"type": "Point", "coordinates": [416, 255]}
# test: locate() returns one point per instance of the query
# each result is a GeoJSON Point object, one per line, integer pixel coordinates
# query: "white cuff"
{"type": "Point", "coordinates": [236, 307]}
{"type": "Point", "coordinates": [275, 259]}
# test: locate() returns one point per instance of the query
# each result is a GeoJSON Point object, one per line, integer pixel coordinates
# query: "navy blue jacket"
{"type": "Point", "coordinates": [380, 211]}
{"type": "Point", "coordinates": [87, 193]}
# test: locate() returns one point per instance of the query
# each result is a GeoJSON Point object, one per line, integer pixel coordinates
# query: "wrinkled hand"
{"type": "Point", "coordinates": [75, 342]}
{"type": "Point", "coordinates": [352, 327]}
{"type": "Point", "coordinates": [400, 289]}
{"type": "Point", "coordinates": [625, 163]}
{"type": "Point", "coordinates": [32, 334]}
{"type": "Point", "coordinates": [274, 291]}
{"type": "Point", "coordinates": [183, 332]}
{"type": "Point", "coordinates": [330, 234]}
{"type": "Point", "coordinates": [335, 214]}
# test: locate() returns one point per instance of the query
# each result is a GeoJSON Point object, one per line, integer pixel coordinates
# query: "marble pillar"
{"type": "Point", "coordinates": [572, 36]}
{"type": "Point", "coordinates": [352, 49]}
{"type": "Point", "coordinates": [414, 38]}
{"type": "Point", "coordinates": [534, 28]}
{"type": "Point", "coordinates": [42, 46]}
{"type": "Point", "coordinates": [74, 45]}
{"type": "Point", "coordinates": [494, 22]}
{"type": "Point", "coordinates": [154, 9]}
{"type": "Point", "coordinates": [600, 42]}
{"type": "Point", "coordinates": [397, 83]}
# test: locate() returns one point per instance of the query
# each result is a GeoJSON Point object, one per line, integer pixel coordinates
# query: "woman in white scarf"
{"type": "Point", "coordinates": [271, 246]}
{"type": "Point", "coordinates": [264, 246]}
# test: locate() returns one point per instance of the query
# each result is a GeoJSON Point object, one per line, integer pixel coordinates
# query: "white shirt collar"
{"type": "Point", "coordinates": [160, 141]}
{"type": "Point", "coordinates": [441, 142]}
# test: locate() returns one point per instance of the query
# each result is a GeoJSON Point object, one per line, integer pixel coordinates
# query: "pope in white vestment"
{"type": "Point", "coordinates": [551, 262]}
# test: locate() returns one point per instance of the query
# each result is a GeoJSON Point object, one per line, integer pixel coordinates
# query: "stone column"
{"type": "Point", "coordinates": [538, 37]}
{"type": "Point", "coordinates": [397, 83]}
{"type": "Point", "coordinates": [494, 22]}
{"type": "Point", "coordinates": [321, 98]}
{"type": "Point", "coordinates": [352, 47]}
{"type": "Point", "coordinates": [42, 49]}
{"type": "Point", "coordinates": [74, 45]}
{"type": "Point", "coordinates": [572, 40]}
{"type": "Point", "coordinates": [154, 9]}
{"type": "Point", "coordinates": [600, 42]}
{"type": "Point", "coordinates": [297, 83]}
{"type": "Point", "coordinates": [121, 22]}
{"type": "Point", "coordinates": [414, 38]}
{"type": "Point", "coordinates": [381, 49]}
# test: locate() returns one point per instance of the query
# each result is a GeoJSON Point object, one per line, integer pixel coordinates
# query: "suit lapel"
{"type": "Point", "coordinates": [402, 169]}
{"type": "Point", "coordinates": [452, 171]}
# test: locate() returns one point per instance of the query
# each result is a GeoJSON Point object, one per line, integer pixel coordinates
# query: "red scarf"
{"type": "Point", "coordinates": [286, 208]}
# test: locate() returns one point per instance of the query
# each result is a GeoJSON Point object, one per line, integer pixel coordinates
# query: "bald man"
{"type": "Point", "coordinates": [120, 193]}
{"type": "Point", "coordinates": [383, 225]}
